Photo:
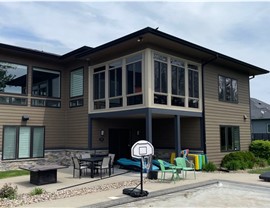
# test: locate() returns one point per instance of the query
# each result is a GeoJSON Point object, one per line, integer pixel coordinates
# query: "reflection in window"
{"type": "Point", "coordinates": [13, 78]}
{"type": "Point", "coordinates": [193, 86]}
{"type": "Point", "coordinates": [99, 88]}
{"type": "Point", "coordinates": [46, 83]}
{"type": "Point", "coordinates": [227, 89]}
{"type": "Point", "coordinates": [76, 83]}
{"type": "Point", "coordinates": [115, 84]}
{"type": "Point", "coordinates": [13, 100]}
{"type": "Point", "coordinates": [46, 103]}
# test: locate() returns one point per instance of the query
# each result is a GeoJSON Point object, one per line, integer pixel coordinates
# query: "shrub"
{"type": "Point", "coordinates": [244, 160]}
{"type": "Point", "coordinates": [37, 191]}
{"type": "Point", "coordinates": [260, 148]}
{"type": "Point", "coordinates": [260, 162]}
{"type": "Point", "coordinates": [210, 167]}
{"type": "Point", "coordinates": [9, 192]}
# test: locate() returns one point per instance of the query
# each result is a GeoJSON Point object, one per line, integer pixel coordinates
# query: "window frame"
{"type": "Point", "coordinates": [234, 140]}
{"type": "Point", "coordinates": [41, 69]}
{"type": "Point", "coordinates": [268, 128]}
{"type": "Point", "coordinates": [99, 70]}
{"type": "Point", "coordinates": [17, 142]}
{"type": "Point", "coordinates": [27, 74]}
{"type": "Point", "coordinates": [233, 99]}
{"type": "Point", "coordinates": [70, 82]}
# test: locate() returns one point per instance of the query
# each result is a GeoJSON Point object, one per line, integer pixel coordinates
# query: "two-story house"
{"type": "Point", "coordinates": [146, 85]}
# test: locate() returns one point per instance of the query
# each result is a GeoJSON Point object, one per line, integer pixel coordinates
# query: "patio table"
{"type": "Point", "coordinates": [92, 162]}
{"type": "Point", "coordinates": [42, 174]}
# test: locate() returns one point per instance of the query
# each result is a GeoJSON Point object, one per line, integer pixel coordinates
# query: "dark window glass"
{"type": "Point", "coordinates": [134, 78]}
{"type": "Point", "coordinates": [178, 80]}
{"type": "Point", "coordinates": [99, 104]}
{"type": "Point", "coordinates": [177, 101]}
{"type": "Point", "coordinates": [229, 138]}
{"type": "Point", "coordinates": [160, 77]}
{"type": "Point", "coordinates": [228, 89]}
{"type": "Point", "coordinates": [116, 102]}
{"type": "Point", "coordinates": [193, 84]}
{"type": "Point", "coordinates": [13, 78]}
{"type": "Point", "coordinates": [135, 100]}
{"type": "Point", "coordinates": [160, 99]}
{"type": "Point", "coordinates": [76, 103]}
{"type": "Point", "coordinates": [46, 83]}
{"type": "Point", "coordinates": [13, 100]}
{"type": "Point", "coordinates": [115, 82]}
{"type": "Point", "coordinates": [46, 103]}
{"type": "Point", "coordinates": [99, 86]}
{"type": "Point", "coordinates": [193, 103]}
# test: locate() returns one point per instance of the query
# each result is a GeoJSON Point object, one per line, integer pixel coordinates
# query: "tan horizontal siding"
{"type": "Point", "coordinates": [222, 113]}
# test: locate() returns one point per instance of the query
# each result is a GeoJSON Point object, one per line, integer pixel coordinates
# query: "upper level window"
{"type": "Point", "coordinates": [13, 78]}
{"type": "Point", "coordinates": [160, 79]}
{"type": "Point", "coordinates": [134, 79]}
{"type": "Point", "coordinates": [76, 83]}
{"type": "Point", "coordinates": [193, 86]}
{"type": "Point", "coordinates": [228, 89]}
{"type": "Point", "coordinates": [46, 83]}
{"type": "Point", "coordinates": [99, 88]}
{"type": "Point", "coordinates": [178, 82]}
{"type": "Point", "coordinates": [115, 84]}
{"type": "Point", "coordinates": [229, 138]}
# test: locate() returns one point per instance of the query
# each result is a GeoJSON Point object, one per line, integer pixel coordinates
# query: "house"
{"type": "Point", "coordinates": [146, 85]}
{"type": "Point", "coordinates": [260, 119]}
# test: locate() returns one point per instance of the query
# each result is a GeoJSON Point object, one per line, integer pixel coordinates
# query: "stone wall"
{"type": "Point", "coordinates": [61, 157]}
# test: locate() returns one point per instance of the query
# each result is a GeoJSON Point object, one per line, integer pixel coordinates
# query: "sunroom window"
{"type": "Point", "coordinates": [134, 79]}
{"type": "Point", "coordinates": [160, 79]}
{"type": "Point", "coordinates": [115, 84]}
{"type": "Point", "coordinates": [13, 78]}
{"type": "Point", "coordinates": [99, 88]}
{"type": "Point", "coordinates": [193, 86]}
{"type": "Point", "coordinates": [178, 82]}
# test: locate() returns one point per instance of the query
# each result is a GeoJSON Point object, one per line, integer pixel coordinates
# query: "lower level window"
{"type": "Point", "coordinates": [229, 138]}
{"type": "Point", "coordinates": [20, 142]}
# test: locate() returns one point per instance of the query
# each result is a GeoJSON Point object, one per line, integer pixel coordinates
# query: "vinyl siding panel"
{"type": "Point", "coordinates": [222, 113]}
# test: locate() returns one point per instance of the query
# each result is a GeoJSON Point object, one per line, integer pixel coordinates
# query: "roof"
{"type": "Point", "coordinates": [259, 109]}
{"type": "Point", "coordinates": [150, 36]}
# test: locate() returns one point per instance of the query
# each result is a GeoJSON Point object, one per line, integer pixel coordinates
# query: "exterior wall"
{"type": "Point", "coordinates": [259, 126]}
{"type": "Point", "coordinates": [190, 133]}
{"type": "Point", "coordinates": [222, 113]}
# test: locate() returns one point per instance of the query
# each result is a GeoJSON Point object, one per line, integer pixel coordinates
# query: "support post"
{"type": "Point", "coordinates": [177, 135]}
{"type": "Point", "coordinates": [148, 125]}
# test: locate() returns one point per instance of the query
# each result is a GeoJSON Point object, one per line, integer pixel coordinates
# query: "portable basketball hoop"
{"type": "Point", "coordinates": [140, 150]}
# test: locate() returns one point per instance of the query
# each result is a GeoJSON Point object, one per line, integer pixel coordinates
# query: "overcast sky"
{"type": "Point", "coordinates": [237, 29]}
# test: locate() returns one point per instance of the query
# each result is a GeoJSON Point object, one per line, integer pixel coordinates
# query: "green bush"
{"type": "Point", "coordinates": [9, 192]}
{"type": "Point", "coordinates": [241, 160]}
{"type": "Point", "coordinates": [260, 162]}
{"type": "Point", "coordinates": [37, 191]}
{"type": "Point", "coordinates": [210, 167]}
{"type": "Point", "coordinates": [260, 148]}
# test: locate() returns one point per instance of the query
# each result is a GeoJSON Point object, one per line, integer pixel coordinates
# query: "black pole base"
{"type": "Point", "coordinates": [135, 192]}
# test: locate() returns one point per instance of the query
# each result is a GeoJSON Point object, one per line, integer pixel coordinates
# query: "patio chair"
{"type": "Point", "coordinates": [169, 170]}
{"type": "Point", "coordinates": [185, 166]}
{"type": "Point", "coordinates": [105, 165]}
{"type": "Point", "coordinates": [78, 166]}
{"type": "Point", "coordinates": [112, 161]}
{"type": "Point", "coordinates": [83, 156]}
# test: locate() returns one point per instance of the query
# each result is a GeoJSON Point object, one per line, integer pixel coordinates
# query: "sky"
{"type": "Point", "coordinates": [237, 29]}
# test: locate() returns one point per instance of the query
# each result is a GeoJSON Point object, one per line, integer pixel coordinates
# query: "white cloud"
{"type": "Point", "coordinates": [239, 30]}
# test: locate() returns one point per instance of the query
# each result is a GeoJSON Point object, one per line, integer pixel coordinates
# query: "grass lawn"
{"type": "Point", "coordinates": [13, 173]}
{"type": "Point", "coordinates": [259, 170]}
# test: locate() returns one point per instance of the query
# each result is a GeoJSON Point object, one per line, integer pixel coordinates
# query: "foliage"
{"type": "Point", "coordinates": [260, 148]}
{"type": "Point", "coordinates": [13, 173]}
{"type": "Point", "coordinates": [9, 192]}
{"type": "Point", "coordinates": [4, 76]}
{"type": "Point", "coordinates": [259, 170]}
{"type": "Point", "coordinates": [238, 160]}
{"type": "Point", "coordinates": [37, 191]}
{"type": "Point", "coordinates": [260, 162]}
{"type": "Point", "coordinates": [210, 167]}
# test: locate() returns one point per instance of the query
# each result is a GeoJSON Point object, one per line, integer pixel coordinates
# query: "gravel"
{"type": "Point", "coordinates": [25, 199]}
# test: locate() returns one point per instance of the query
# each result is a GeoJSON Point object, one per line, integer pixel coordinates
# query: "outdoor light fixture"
{"type": "Point", "coordinates": [25, 118]}
{"type": "Point", "coordinates": [140, 39]}
{"type": "Point", "coordinates": [101, 132]}
{"type": "Point", "coordinates": [138, 132]}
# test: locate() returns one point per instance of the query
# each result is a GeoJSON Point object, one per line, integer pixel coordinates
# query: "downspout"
{"type": "Point", "coordinates": [203, 134]}
{"type": "Point", "coordinates": [250, 124]}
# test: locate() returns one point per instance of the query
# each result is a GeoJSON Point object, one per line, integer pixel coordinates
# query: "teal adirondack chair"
{"type": "Point", "coordinates": [182, 163]}
{"type": "Point", "coordinates": [173, 171]}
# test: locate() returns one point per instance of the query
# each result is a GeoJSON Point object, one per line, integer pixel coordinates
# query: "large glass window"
{"type": "Point", "coordinates": [134, 79]}
{"type": "Point", "coordinates": [115, 84]}
{"type": "Point", "coordinates": [228, 89]}
{"type": "Point", "coordinates": [23, 142]}
{"type": "Point", "coordinates": [46, 83]}
{"type": "Point", "coordinates": [178, 82]}
{"type": "Point", "coordinates": [13, 78]}
{"type": "Point", "coordinates": [160, 79]}
{"type": "Point", "coordinates": [99, 88]}
{"type": "Point", "coordinates": [193, 86]}
{"type": "Point", "coordinates": [229, 138]}
{"type": "Point", "coordinates": [76, 83]}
